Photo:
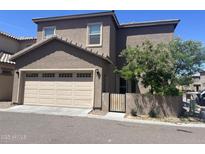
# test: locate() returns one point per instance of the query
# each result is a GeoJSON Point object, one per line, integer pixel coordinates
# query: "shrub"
{"type": "Point", "coordinates": [183, 113]}
{"type": "Point", "coordinates": [134, 112]}
{"type": "Point", "coordinates": [154, 112]}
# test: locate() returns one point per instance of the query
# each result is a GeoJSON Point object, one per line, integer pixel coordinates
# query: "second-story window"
{"type": "Point", "coordinates": [49, 31]}
{"type": "Point", "coordinates": [94, 34]}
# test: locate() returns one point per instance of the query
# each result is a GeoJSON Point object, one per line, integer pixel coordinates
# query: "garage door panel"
{"type": "Point", "coordinates": [82, 88]}
{"type": "Point", "coordinates": [31, 87]}
{"type": "Point", "coordinates": [82, 93]}
{"type": "Point", "coordinates": [30, 95]}
{"type": "Point", "coordinates": [82, 83]}
{"type": "Point", "coordinates": [46, 87]}
{"type": "Point", "coordinates": [63, 93]}
{"type": "Point", "coordinates": [65, 102]}
{"type": "Point", "coordinates": [64, 88]}
{"type": "Point", "coordinates": [65, 83]}
{"type": "Point", "coordinates": [46, 100]}
{"type": "Point", "coordinates": [59, 91]}
{"type": "Point", "coordinates": [31, 91]}
{"type": "Point", "coordinates": [46, 92]}
{"type": "Point", "coordinates": [30, 100]}
{"type": "Point", "coordinates": [47, 83]}
{"type": "Point", "coordinates": [30, 83]}
{"type": "Point", "coordinates": [69, 97]}
{"type": "Point", "coordinates": [82, 103]}
{"type": "Point", "coordinates": [84, 80]}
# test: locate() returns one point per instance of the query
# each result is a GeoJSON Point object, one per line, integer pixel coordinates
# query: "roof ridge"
{"type": "Point", "coordinates": [73, 15]}
{"type": "Point", "coordinates": [66, 40]}
{"type": "Point", "coordinates": [82, 15]}
{"type": "Point", "coordinates": [149, 21]}
{"type": "Point", "coordinates": [17, 38]}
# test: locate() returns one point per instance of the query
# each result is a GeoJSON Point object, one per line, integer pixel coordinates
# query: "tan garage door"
{"type": "Point", "coordinates": [59, 89]}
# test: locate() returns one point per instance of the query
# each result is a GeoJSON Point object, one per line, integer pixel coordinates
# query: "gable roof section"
{"type": "Point", "coordinates": [69, 42]}
{"type": "Point", "coordinates": [113, 15]}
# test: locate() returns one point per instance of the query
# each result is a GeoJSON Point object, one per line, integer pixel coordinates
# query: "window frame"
{"type": "Point", "coordinates": [84, 75]}
{"type": "Point", "coordinates": [65, 75]}
{"type": "Point", "coordinates": [44, 37]}
{"type": "Point", "coordinates": [48, 75]}
{"type": "Point", "coordinates": [32, 75]}
{"type": "Point", "coordinates": [88, 35]}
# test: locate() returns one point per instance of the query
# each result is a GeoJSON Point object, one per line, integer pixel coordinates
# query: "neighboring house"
{"type": "Point", "coordinates": [198, 82]}
{"type": "Point", "coordinates": [8, 46]}
{"type": "Point", "coordinates": [73, 61]}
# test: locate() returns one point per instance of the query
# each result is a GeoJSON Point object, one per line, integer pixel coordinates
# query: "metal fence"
{"type": "Point", "coordinates": [117, 102]}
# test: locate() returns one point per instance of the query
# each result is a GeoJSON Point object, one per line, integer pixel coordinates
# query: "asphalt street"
{"type": "Point", "coordinates": [36, 128]}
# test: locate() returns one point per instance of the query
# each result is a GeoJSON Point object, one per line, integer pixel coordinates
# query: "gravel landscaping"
{"type": "Point", "coordinates": [189, 120]}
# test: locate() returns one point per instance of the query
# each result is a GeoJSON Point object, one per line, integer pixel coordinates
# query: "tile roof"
{"type": "Point", "coordinates": [5, 58]}
{"type": "Point", "coordinates": [70, 42]}
{"type": "Point", "coordinates": [17, 38]}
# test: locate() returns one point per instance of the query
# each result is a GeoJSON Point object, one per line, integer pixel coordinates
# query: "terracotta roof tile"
{"type": "Point", "coordinates": [17, 38]}
{"type": "Point", "coordinates": [65, 40]}
{"type": "Point", "coordinates": [5, 58]}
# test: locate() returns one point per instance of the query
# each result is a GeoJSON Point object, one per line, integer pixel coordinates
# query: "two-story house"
{"type": "Point", "coordinates": [198, 83]}
{"type": "Point", "coordinates": [8, 46]}
{"type": "Point", "coordinates": [73, 61]}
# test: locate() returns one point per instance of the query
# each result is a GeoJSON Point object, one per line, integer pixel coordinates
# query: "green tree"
{"type": "Point", "coordinates": [188, 58]}
{"type": "Point", "coordinates": [162, 66]}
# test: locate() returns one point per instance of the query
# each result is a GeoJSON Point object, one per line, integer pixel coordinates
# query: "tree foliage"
{"type": "Point", "coordinates": [163, 66]}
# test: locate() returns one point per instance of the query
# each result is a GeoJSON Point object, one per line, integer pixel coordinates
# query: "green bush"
{"type": "Point", "coordinates": [154, 112]}
{"type": "Point", "coordinates": [171, 91]}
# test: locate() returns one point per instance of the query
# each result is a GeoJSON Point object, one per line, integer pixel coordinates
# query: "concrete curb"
{"type": "Point", "coordinates": [121, 118]}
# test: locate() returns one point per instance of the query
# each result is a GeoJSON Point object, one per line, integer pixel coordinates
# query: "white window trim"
{"type": "Point", "coordinates": [101, 33]}
{"type": "Point", "coordinates": [44, 37]}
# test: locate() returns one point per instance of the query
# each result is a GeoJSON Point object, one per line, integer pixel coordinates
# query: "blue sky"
{"type": "Point", "coordinates": [192, 25]}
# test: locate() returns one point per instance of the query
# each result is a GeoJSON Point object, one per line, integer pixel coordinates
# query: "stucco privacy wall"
{"type": "Point", "coordinates": [76, 30]}
{"type": "Point", "coordinates": [169, 105]}
{"type": "Point", "coordinates": [6, 83]}
{"type": "Point", "coordinates": [105, 102]}
{"type": "Point", "coordinates": [58, 55]}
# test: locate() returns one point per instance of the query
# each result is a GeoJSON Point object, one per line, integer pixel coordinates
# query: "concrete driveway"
{"type": "Point", "coordinates": [49, 110]}
{"type": "Point", "coordinates": [41, 128]}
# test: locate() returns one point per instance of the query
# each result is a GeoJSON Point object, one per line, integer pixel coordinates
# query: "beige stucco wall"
{"type": "Point", "coordinates": [58, 55]}
{"type": "Point", "coordinates": [26, 43]}
{"type": "Point", "coordinates": [135, 36]}
{"type": "Point", "coordinates": [114, 39]}
{"type": "Point", "coordinates": [76, 30]}
{"type": "Point", "coordinates": [8, 44]}
{"type": "Point", "coordinates": [12, 45]}
{"type": "Point", "coordinates": [6, 83]}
